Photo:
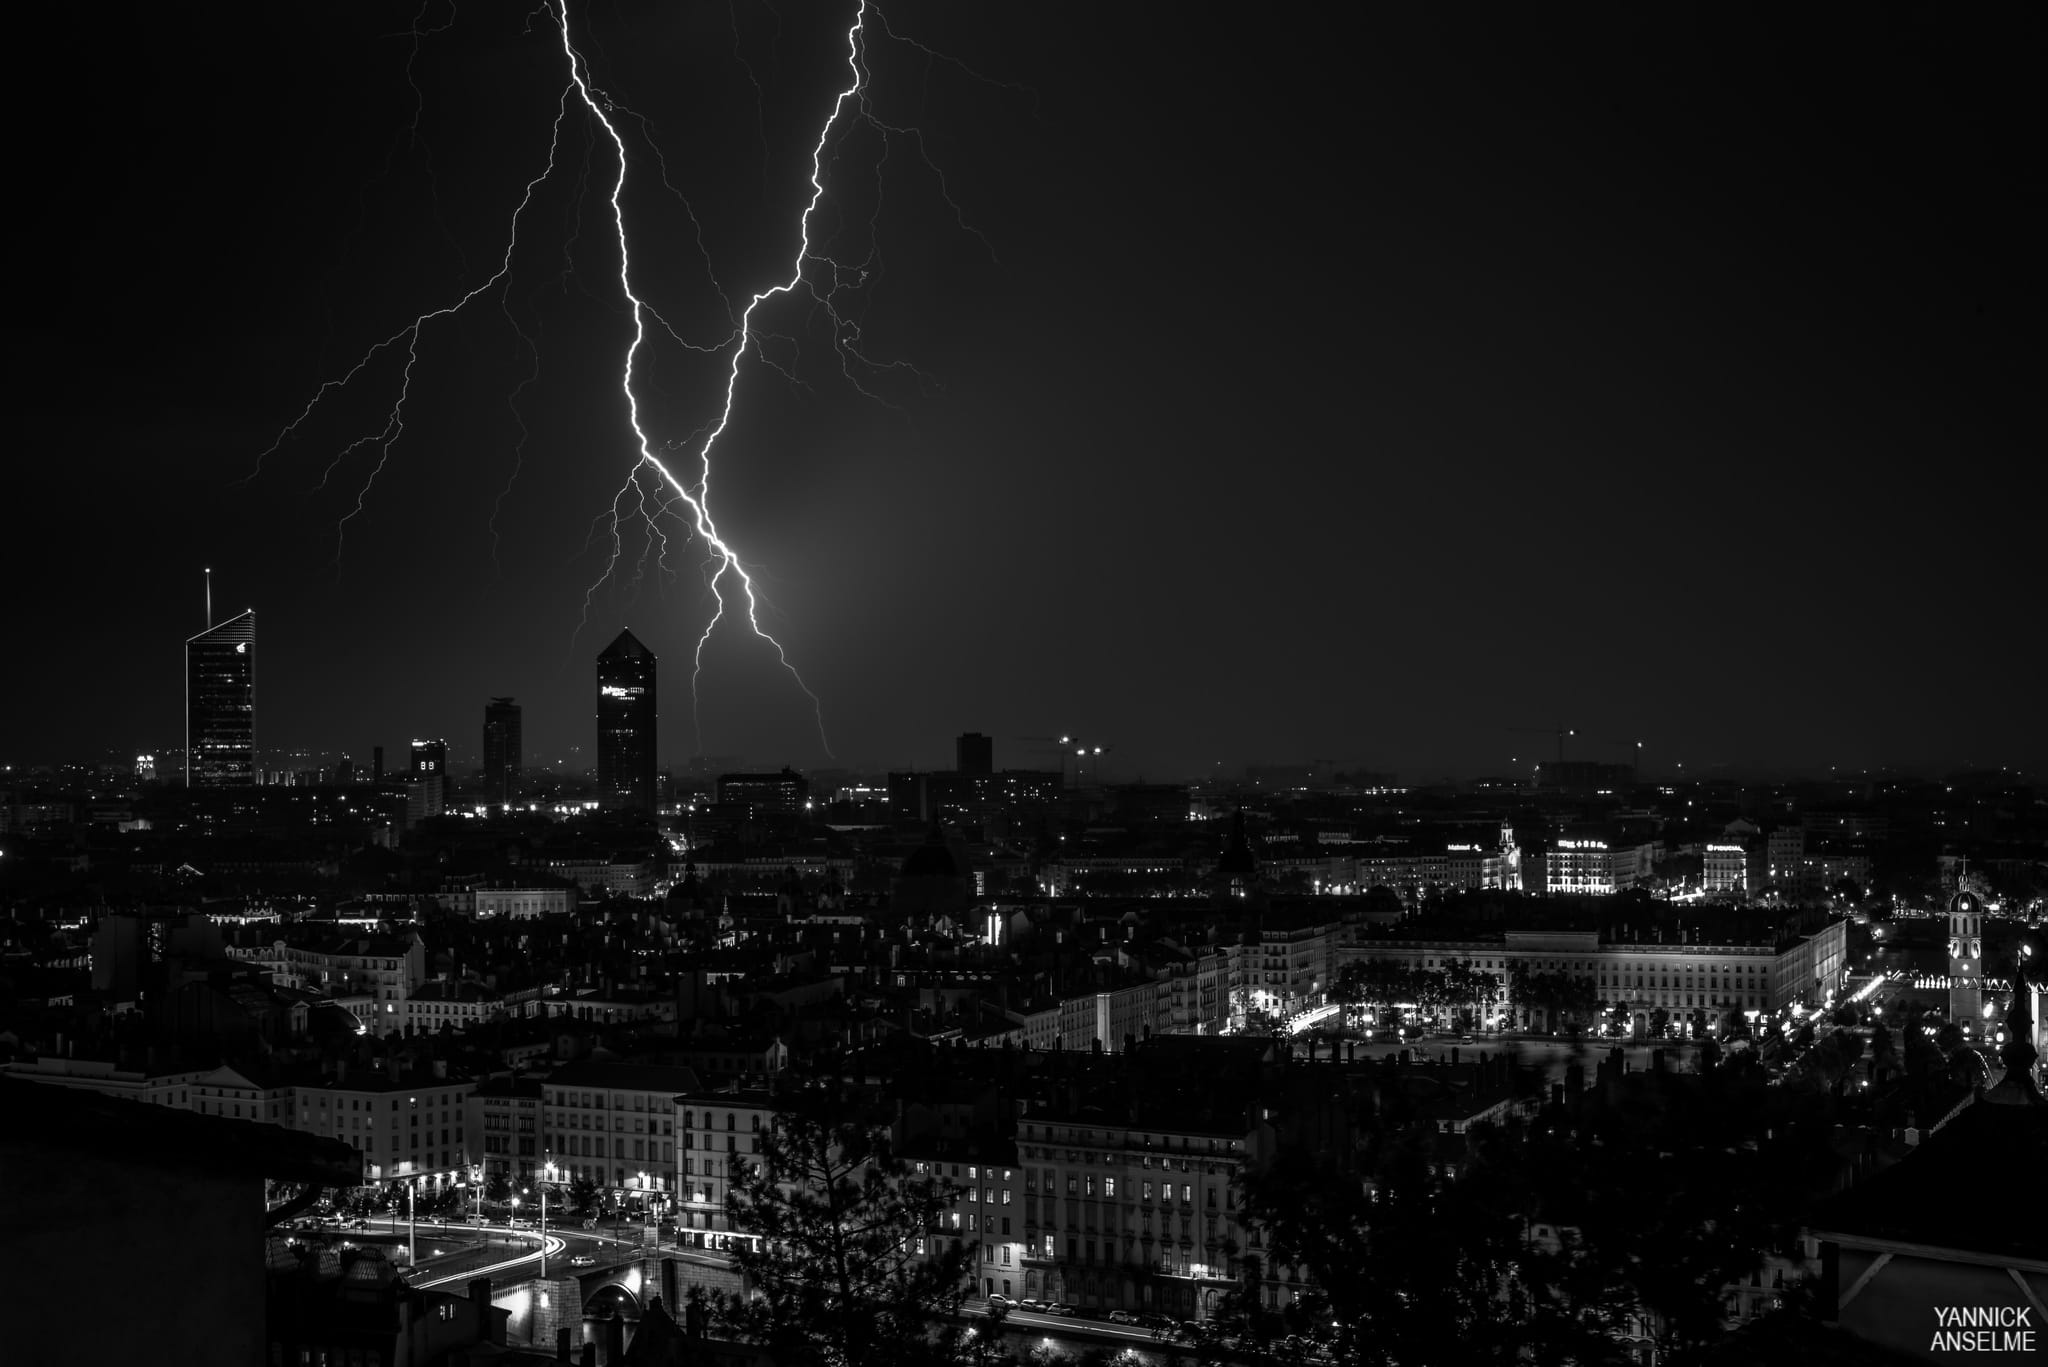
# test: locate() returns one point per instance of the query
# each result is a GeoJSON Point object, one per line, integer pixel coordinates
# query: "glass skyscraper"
{"type": "Point", "coordinates": [220, 705]}
{"type": "Point", "coordinates": [626, 712]}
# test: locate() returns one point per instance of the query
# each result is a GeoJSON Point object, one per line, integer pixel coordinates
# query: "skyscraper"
{"type": "Point", "coordinates": [429, 758]}
{"type": "Point", "coordinates": [503, 748]}
{"type": "Point", "coordinates": [626, 714]}
{"type": "Point", "coordinates": [220, 705]}
{"type": "Point", "coordinates": [426, 786]}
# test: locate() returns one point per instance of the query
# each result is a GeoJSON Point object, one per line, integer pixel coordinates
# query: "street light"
{"type": "Point", "coordinates": [547, 1173]}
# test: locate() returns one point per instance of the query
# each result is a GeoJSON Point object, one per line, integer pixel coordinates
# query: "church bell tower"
{"type": "Point", "coordinates": [1966, 962]}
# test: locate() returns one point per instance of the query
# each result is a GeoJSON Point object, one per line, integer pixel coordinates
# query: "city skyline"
{"type": "Point", "coordinates": [1659, 379]}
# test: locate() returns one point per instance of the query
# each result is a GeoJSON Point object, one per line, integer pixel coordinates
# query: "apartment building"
{"type": "Point", "coordinates": [406, 1126]}
{"type": "Point", "coordinates": [614, 1124]}
{"type": "Point", "coordinates": [506, 1118]}
{"type": "Point", "coordinates": [718, 1132]}
{"type": "Point", "coordinates": [1134, 1211]}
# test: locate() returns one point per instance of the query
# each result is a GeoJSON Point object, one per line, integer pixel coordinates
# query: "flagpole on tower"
{"type": "Point", "coordinates": [209, 598]}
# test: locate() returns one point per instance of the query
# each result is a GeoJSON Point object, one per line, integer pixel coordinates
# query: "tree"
{"type": "Point", "coordinates": [847, 1267]}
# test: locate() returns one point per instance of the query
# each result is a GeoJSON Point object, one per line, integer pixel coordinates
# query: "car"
{"type": "Point", "coordinates": [1121, 1317]}
{"type": "Point", "coordinates": [1031, 1303]}
{"type": "Point", "coordinates": [997, 1298]}
{"type": "Point", "coordinates": [582, 1260]}
{"type": "Point", "coordinates": [1057, 1308]}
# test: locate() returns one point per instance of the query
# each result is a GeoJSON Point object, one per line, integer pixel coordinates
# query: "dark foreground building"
{"type": "Point", "coordinates": [166, 1203]}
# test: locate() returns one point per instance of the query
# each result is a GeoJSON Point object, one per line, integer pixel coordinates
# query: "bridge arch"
{"type": "Point", "coordinates": [611, 1296]}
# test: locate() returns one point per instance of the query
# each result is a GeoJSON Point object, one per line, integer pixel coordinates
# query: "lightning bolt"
{"type": "Point", "coordinates": [653, 489]}
{"type": "Point", "coordinates": [697, 500]}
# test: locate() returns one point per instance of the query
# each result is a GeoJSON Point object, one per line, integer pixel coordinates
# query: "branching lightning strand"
{"type": "Point", "coordinates": [698, 501]}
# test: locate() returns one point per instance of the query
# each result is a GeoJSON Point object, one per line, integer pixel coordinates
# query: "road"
{"type": "Point", "coordinates": [1081, 1331]}
{"type": "Point", "coordinates": [489, 1250]}
{"type": "Point", "coordinates": [1553, 1055]}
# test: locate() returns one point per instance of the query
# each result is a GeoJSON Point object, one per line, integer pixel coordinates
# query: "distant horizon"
{"type": "Point", "coordinates": [466, 766]}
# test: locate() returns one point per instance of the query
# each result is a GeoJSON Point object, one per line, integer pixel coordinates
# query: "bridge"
{"type": "Point", "coordinates": [583, 1300]}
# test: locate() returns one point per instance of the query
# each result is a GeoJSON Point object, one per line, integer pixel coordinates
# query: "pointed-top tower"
{"type": "Point", "coordinates": [627, 713]}
{"type": "Point", "coordinates": [220, 705]}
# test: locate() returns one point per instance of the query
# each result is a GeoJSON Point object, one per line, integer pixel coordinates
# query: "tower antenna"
{"type": "Point", "coordinates": [209, 598]}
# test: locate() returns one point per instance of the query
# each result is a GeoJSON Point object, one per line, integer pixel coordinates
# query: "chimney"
{"type": "Point", "coordinates": [615, 1340]}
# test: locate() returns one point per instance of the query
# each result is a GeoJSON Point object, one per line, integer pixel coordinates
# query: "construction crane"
{"type": "Point", "coordinates": [1634, 747]}
{"type": "Point", "coordinates": [1066, 745]}
{"type": "Point", "coordinates": [1561, 732]}
{"type": "Point", "coordinates": [1635, 754]}
{"type": "Point", "coordinates": [1094, 752]}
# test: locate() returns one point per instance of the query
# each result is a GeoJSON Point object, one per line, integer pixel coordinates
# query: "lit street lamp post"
{"type": "Point", "coordinates": [547, 1175]}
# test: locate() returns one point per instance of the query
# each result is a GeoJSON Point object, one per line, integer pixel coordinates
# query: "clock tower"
{"type": "Point", "coordinates": [1966, 961]}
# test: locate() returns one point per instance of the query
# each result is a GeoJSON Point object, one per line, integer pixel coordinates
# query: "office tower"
{"type": "Point", "coordinates": [220, 705]}
{"type": "Point", "coordinates": [376, 764]}
{"type": "Point", "coordinates": [974, 753]}
{"type": "Point", "coordinates": [427, 783]}
{"type": "Point", "coordinates": [503, 747]}
{"type": "Point", "coordinates": [626, 714]}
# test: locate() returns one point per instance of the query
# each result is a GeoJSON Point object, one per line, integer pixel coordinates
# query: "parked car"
{"type": "Point", "coordinates": [1031, 1303]}
{"type": "Point", "coordinates": [1121, 1317]}
{"type": "Point", "coordinates": [997, 1298]}
{"type": "Point", "coordinates": [1057, 1308]}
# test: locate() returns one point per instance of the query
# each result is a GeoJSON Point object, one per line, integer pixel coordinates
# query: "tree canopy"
{"type": "Point", "coordinates": [848, 1270]}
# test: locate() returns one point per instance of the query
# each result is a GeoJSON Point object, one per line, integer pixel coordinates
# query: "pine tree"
{"type": "Point", "coordinates": [846, 1268]}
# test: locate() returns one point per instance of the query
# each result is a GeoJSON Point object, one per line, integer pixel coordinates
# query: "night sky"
{"type": "Point", "coordinates": [1345, 383]}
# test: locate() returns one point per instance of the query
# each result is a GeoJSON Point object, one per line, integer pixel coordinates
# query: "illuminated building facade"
{"type": "Point", "coordinates": [626, 716]}
{"type": "Point", "coordinates": [426, 783]}
{"type": "Point", "coordinates": [615, 1124]}
{"type": "Point", "coordinates": [1966, 960]}
{"type": "Point", "coordinates": [720, 1131]}
{"type": "Point", "coordinates": [1579, 866]}
{"type": "Point", "coordinates": [1596, 866]}
{"type": "Point", "coordinates": [1631, 982]}
{"type": "Point", "coordinates": [1118, 1214]}
{"type": "Point", "coordinates": [1725, 868]}
{"type": "Point", "coordinates": [503, 747]}
{"type": "Point", "coordinates": [405, 1127]}
{"type": "Point", "coordinates": [220, 705]}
